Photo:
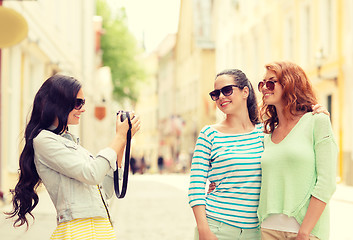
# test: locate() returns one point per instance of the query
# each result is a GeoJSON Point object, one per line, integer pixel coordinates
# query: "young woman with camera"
{"type": "Point", "coordinates": [78, 183]}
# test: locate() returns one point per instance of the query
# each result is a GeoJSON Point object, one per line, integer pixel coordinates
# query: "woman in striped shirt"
{"type": "Point", "coordinates": [228, 154]}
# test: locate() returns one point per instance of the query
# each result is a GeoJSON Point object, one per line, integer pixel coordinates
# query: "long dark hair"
{"type": "Point", "coordinates": [242, 81]}
{"type": "Point", "coordinates": [298, 94]}
{"type": "Point", "coordinates": [54, 100]}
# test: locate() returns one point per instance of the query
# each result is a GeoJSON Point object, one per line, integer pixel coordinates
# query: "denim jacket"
{"type": "Point", "coordinates": [72, 175]}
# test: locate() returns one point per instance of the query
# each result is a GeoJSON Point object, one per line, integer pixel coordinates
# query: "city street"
{"type": "Point", "coordinates": [156, 208]}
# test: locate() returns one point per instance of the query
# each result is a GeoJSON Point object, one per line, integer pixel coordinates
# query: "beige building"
{"type": "Point", "coordinates": [195, 71]}
{"type": "Point", "coordinates": [60, 39]}
{"type": "Point", "coordinates": [219, 34]}
{"type": "Point", "coordinates": [145, 142]}
{"type": "Point", "coordinates": [346, 60]}
{"type": "Point", "coordinates": [169, 124]}
{"type": "Point", "coordinates": [248, 34]}
{"type": "Point", "coordinates": [174, 104]}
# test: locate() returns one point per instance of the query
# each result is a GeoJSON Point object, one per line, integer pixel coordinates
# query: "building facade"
{"type": "Point", "coordinates": [169, 124]}
{"type": "Point", "coordinates": [317, 35]}
{"type": "Point", "coordinates": [195, 71]}
{"type": "Point", "coordinates": [61, 39]}
{"type": "Point", "coordinates": [145, 143]}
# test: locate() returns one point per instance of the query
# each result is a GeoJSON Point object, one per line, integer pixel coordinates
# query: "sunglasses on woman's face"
{"type": "Point", "coordinates": [270, 85]}
{"type": "Point", "coordinates": [226, 91]}
{"type": "Point", "coordinates": [79, 103]}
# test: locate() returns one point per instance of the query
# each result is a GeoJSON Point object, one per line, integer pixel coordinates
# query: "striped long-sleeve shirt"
{"type": "Point", "coordinates": [232, 161]}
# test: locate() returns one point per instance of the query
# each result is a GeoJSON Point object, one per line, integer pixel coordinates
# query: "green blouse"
{"type": "Point", "coordinates": [302, 165]}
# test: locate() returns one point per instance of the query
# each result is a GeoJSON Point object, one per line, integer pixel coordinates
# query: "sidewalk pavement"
{"type": "Point", "coordinates": [341, 204]}
{"type": "Point", "coordinates": [42, 227]}
{"type": "Point", "coordinates": [341, 213]}
{"type": "Point", "coordinates": [155, 207]}
{"type": "Point", "coordinates": [154, 201]}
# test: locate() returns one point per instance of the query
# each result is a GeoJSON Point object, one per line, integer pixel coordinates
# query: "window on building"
{"type": "Point", "coordinates": [268, 51]}
{"type": "Point", "coordinates": [306, 35]}
{"type": "Point", "coordinates": [327, 30]}
{"type": "Point", "coordinates": [13, 108]}
{"type": "Point", "coordinates": [256, 55]}
{"type": "Point", "coordinates": [329, 105]}
{"type": "Point", "coordinates": [288, 39]}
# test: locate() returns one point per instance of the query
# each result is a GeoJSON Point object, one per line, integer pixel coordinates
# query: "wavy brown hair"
{"type": "Point", "coordinates": [298, 94]}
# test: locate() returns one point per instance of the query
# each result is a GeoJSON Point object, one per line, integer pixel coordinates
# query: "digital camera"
{"type": "Point", "coordinates": [124, 115]}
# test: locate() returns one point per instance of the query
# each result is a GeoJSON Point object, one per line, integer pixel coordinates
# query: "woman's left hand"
{"type": "Point", "coordinates": [302, 236]}
{"type": "Point", "coordinates": [135, 123]}
{"type": "Point", "coordinates": [211, 187]}
{"type": "Point", "coordinates": [318, 108]}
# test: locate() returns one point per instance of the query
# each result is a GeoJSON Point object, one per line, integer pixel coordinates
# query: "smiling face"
{"type": "Point", "coordinates": [75, 114]}
{"type": "Point", "coordinates": [229, 104]}
{"type": "Point", "coordinates": [272, 97]}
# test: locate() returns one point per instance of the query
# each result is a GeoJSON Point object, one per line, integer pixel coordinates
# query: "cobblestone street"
{"type": "Point", "coordinates": [156, 208]}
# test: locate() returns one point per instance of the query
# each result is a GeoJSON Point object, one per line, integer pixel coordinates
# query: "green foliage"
{"type": "Point", "coordinates": [120, 53]}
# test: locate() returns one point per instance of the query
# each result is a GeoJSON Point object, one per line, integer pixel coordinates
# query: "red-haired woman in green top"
{"type": "Point", "coordinates": [299, 160]}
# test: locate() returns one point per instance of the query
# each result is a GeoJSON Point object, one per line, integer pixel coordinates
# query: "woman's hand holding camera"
{"type": "Point", "coordinates": [122, 128]}
{"type": "Point", "coordinates": [122, 124]}
{"type": "Point", "coordinates": [135, 123]}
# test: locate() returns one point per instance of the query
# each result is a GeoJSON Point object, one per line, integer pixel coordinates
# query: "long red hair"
{"type": "Point", "coordinates": [298, 94]}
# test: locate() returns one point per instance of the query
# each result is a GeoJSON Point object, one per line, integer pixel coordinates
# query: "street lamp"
{"type": "Point", "coordinates": [320, 57]}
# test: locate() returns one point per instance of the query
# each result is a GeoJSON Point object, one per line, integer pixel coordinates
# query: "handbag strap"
{"type": "Point", "coordinates": [105, 205]}
{"type": "Point", "coordinates": [126, 165]}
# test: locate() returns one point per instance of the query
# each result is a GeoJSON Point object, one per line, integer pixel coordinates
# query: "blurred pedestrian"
{"type": "Point", "coordinates": [143, 165]}
{"type": "Point", "coordinates": [183, 161]}
{"type": "Point", "coordinates": [299, 160]}
{"type": "Point", "coordinates": [77, 182]}
{"type": "Point", "coordinates": [160, 163]}
{"type": "Point", "coordinates": [133, 165]}
{"type": "Point", "coordinates": [228, 154]}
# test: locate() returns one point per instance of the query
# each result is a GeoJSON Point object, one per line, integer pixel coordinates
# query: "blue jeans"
{"type": "Point", "coordinates": [224, 231]}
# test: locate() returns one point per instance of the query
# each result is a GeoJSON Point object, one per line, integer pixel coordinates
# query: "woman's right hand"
{"type": "Point", "coordinates": [119, 141]}
{"type": "Point", "coordinates": [123, 127]}
{"type": "Point", "coordinates": [207, 235]}
{"type": "Point", "coordinates": [203, 228]}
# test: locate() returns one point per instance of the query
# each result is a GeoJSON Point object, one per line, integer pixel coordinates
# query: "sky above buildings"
{"type": "Point", "coordinates": [151, 20]}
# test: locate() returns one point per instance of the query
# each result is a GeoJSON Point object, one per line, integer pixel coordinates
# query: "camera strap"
{"type": "Point", "coordinates": [126, 165]}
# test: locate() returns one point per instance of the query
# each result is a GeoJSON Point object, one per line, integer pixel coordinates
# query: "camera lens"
{"type": "Point", "coordinates": [123, 116]}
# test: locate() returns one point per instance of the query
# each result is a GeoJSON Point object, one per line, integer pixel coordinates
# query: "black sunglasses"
{"type": "Point", "coordinates": [226, 91]}
{"type": "Point", "coordinates": [270, 85]}
{"type": "Point", "coordinates": [79, 103]}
